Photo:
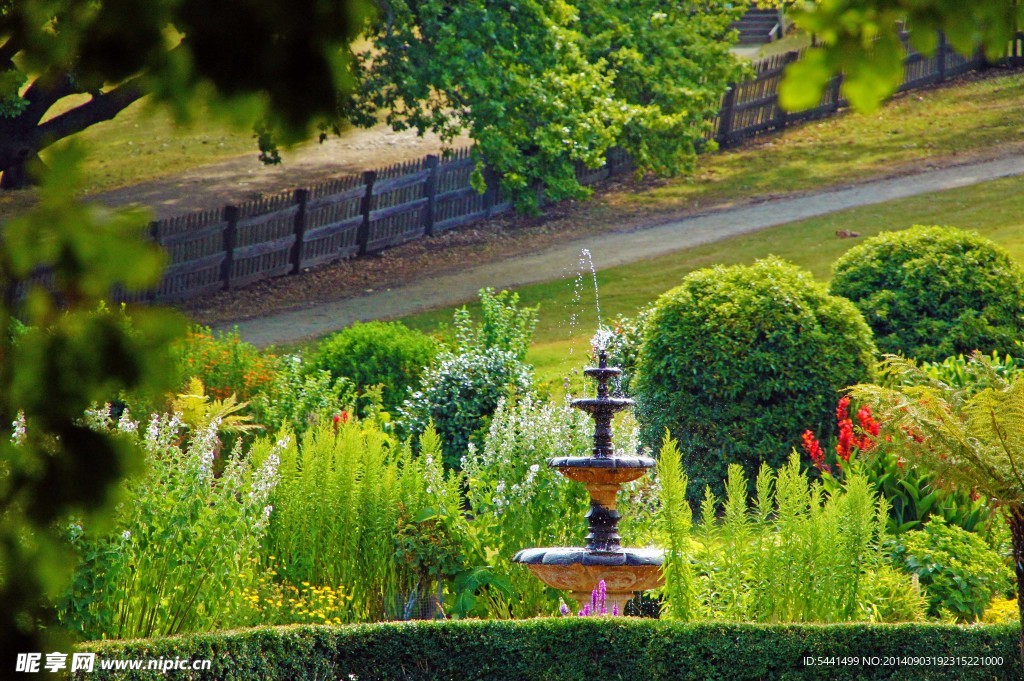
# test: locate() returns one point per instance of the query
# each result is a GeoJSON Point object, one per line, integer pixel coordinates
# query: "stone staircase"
{"type": "Point", "coordinates": [759, 26]}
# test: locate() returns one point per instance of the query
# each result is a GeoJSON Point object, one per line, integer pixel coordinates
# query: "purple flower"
{"type": "Point", "coordinates": [615, 610]}
{"type": "Point", "coordinates": [563, 608]}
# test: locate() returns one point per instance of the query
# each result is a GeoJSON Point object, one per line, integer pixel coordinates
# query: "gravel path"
{"type": "Point", "coordinates": [609, 249]}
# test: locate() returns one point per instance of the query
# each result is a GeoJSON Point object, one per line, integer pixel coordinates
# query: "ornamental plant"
{"type": "Point", "coordinates": [224, 363]}
{"type": "Point", "coordinates": [971, 439]}
{"type": "Point", "coordinates": [177, 555]}
{"type": "Point", "coordinates": [737, 361]}
{"type": "Point", "coordinates": [460, 392]}
{"type": "Point", "coordinates": [911, 492]}
{"type": "Point", "coordinates": [386, 353]}
{"type": "Point", "coordinates": [301, 397]}
{"type": "Point", "coordinates": [347, 496]}
{"type": "Point", "coordinates": [960, 573]}
{"type": "Point", "coordinates": [790, 554]}
{"type": "Point", "coordinates": [517, 501]}
{"type": "Point", "coordinates": [933, 292]}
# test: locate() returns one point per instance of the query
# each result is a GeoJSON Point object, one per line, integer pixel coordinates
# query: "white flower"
{"type": "Point", "coordinates": [18, 436]}
{"type": "Point", "coordinates": [126, 535]}
{"type": "Point", "coordinates": [125, 423]}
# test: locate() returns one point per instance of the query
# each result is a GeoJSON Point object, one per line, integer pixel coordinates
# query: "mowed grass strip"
{"type": "Point", "coordinates": [938, 126]}
{"type": "Point", "coordinates": [568, 319]}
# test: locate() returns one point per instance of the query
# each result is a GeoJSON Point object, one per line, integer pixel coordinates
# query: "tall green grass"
{"type": "Point", "coordinates": [342, 499]}
{"type": "Point", "coordinates": [790, 554]}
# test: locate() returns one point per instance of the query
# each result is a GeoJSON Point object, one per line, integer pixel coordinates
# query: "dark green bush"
{"type": "Point", "coordinates": [460, 393]}
{"type": "Point", "coordinates": [959, 571]}
{"type": "Point", "coordinates": [583, 649]}
{"type": "Point", "coordinates": [378, 352]}
{"type": "Point", "coordinates": [932, 292]}
{"type": "Point", "coordinates": [738, 361]}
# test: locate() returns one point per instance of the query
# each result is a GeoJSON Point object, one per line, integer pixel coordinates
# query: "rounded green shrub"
{"type": "Point", "coordinates": [737, 362]}
{"type": "Point", "coordinates": [388, 353]}
{"type": "Point", "coordinates": [932, 292]}
{"type": "Point", "coordinates": [460, 393]}
{"type": "Point", "coordinates": [957, 569]}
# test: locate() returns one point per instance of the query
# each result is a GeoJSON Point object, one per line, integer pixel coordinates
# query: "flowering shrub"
{"type": "Point", "coordinates": [912, 496]}
{"type": "Point", "coordinates": [175, 558]}
{"type": "Point", "coordinates": [518, 501]}
{"type": "Point", "coordinates": [623, 346]}
{"type": "Point", "coordinates": [460, 392]}
{"type": "Point", "coordinates": [224, 363]}
{"type": "Point", "coordinates": [300, 397]}
{"type": "Point", "coordinates": [269, 601]}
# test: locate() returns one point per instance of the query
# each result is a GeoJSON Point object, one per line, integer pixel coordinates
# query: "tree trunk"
{"type": "Point", "coordinates": [18, 174]}
{"type": "Point", "coordinates": [1015, 515]}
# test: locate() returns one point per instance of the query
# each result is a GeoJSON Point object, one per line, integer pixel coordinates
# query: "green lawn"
{"type": "Point", "coordinates": [995, 209]}
{"type": "Point", "coordinates": [980, 117]}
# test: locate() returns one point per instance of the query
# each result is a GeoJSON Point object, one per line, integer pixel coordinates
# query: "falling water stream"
{"type": "Point", "coordinates": [587, 270]}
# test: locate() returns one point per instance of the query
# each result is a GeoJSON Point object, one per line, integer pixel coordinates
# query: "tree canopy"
{"type": "Point", "coordinates": [861, 39]}
{"type": "Point", "coordinates": [286, 61]}
{"type": "Point", "coordinates": [278, 59]}
{"type": "Point", "coordinates": [540, 86]}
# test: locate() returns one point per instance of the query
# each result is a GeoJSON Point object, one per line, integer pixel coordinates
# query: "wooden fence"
{"type": "Point", "coordinates": [286, 233]}
{"type": "Point", "coordinates": [752, 108]}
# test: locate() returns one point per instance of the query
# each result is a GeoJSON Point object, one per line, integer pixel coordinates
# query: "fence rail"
{"type": "Point", "coordinates": [286, 233]}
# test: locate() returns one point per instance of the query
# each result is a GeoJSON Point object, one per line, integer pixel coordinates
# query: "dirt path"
{"type": "Point", "coordinates": [609, 249]}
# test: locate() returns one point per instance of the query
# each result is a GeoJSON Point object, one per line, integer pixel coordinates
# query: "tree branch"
{"type": "Point", "coordinates": [100, 108]}
{"type": "Point", "coordinates": [7, 52]}
{"type": "Point", "coordinates": [45, 91]}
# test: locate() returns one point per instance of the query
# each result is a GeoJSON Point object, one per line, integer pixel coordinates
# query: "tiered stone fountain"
{"type": "Point", "coordinates": [580, 570]}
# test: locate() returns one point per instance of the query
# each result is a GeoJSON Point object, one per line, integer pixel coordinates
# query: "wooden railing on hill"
{"type": "Point", "coordinates": [286, 233]}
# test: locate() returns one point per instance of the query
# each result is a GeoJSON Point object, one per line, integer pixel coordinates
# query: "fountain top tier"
{"type": "Point", "coordinates": [602, 408]}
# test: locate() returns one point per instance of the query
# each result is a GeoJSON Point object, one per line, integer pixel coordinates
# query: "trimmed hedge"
{"type": "Point", "coordinates": [737, 362]}
{"type": "Point", "coordinates": [932, 292]}
{"type": "Point", "coordinates": [578, 649]}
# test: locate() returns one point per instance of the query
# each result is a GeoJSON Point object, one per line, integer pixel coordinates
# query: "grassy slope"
{"type": "Point", "coordinates": [995, 209]}
{"type": "Point", "coordinates": [977, 117]}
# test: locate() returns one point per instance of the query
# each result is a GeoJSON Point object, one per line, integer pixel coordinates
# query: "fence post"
{"type": "Point", "coordinates": [302, 199]}
{"type": "Point", "coordinates": [942, 56]}
{"type": "Point", "coordinates": [154, 236]}
{"type": "Point", "coordinates": [725, 115]}
{"type": "Point", "coordinates": [432, 163]}
{"type": "Point", "coordinates": [230, 241]}
{"type": "Point", "coordinates": [491, 193]}
{"type": "Point", "coordinates": [781, 115]}
{"type": "Point", "coordinates": [837, 84]}
{"type": "Point", "coordinates": [363, 235]}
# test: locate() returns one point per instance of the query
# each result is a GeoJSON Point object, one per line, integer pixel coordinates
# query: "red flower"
{"type": "Point", "coordinates": [843, 409]}
{"type": "Point", "coordinates": [867, 423]}
{"type": "Point", "coordinates": [813, 448]}
{"type": "Point", "coordinates": [846, 439]}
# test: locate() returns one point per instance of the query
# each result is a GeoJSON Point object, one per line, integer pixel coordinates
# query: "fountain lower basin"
{"type": "Point", "coordinates": [579, 571]}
